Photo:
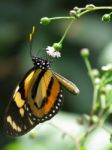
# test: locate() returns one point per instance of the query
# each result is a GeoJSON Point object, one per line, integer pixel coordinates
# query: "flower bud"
{"type": "Point", "coordinates": [106, 18]}
{"type": "Point", "coordinates": [108, 67]}
{"type": "Point", "coordinates": [57, 46]}
{"type": "Point", "coordinates": [108, 88]}
{"type": "Point", "coordinates": [85, 52]}
{"type": "Point", "coordinates": [97, 81]}
{"type": "Point", "coordinates": [90, 6]}
{"type": "Point", "coordinates": [73, 13]}
{"type": "Point", "coordinates": [95, 73]}
{"type": "Point", "coordinates": [45, 21]}
{"type": "Point", "coordinates": [95, 119]}
{"type": "Point", "coordinates": [76, 8]}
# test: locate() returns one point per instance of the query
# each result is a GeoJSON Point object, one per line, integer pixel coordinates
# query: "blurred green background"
{"type": "Point", "coordinates": [16, 20]}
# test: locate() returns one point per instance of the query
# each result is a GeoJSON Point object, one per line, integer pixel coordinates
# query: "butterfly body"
{"type": "Point", "coordinates": [37, 98]}
{"type": "Point", "coordinates": [40, 63]}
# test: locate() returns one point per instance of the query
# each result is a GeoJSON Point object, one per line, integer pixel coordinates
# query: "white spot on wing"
{"type": "Point", "coordinates": [50, 115]}
{"type": "Point", "coordinates": [53, 111]}
{"type": "Point", "coordinates": [59, 100]}
{"type": "Point", "coordinates": [58, 104]}
{"type": "Point", "coordinates": [61, 95]}
{"type": "Point", "coordinates": [30, 114]}
{"type": "Point", "coordinates": [56, 107]}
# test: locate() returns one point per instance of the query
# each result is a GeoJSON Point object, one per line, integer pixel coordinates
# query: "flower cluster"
{"type": "Point", "coordinates": [107, 67]}
{"type": "Point", "coordinates": [52, 52]}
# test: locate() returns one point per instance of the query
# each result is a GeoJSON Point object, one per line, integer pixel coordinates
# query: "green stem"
{"type": "Point", "coordinates": [65, 33]}
{"type": "Point", "coordinates": [102, 102]}
{"type": "Point", "coordinates": [62, 17]}
{"type": "Point", "coordinates": [104, 117]}
{"type": "Point", "coordinates": [76, 142]}
{"type": "Point", "coordinates": [86, 10]}
{"type": "Point", "coordinates": [103, 78]}
{"type": "Point", "coordinates": [94, 9]}
{"type": "Point", "coordinates": [89, 68]}
{"type": "Point", "coordinates": [95, 97]}
{"type": "Point", "coordinates": [110, 13]}
{"type": "Point", "coordinates": [108, 80]}
{"type": "Point", "coordinates": [83, 12]}
{"type": "Point", "coordinates": [89, 130]}
{"type": "Point", "coordinates": [91, 127]}
{"type": "Point", "coordinates": [95, 92]}
{"type": "Point", "coordinates": [95, 87]}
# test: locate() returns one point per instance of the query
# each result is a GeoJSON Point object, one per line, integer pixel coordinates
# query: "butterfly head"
{"type": "Point", "coordinates": [41, 63]}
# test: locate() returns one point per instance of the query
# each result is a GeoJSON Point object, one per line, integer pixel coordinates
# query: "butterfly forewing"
{"type": "Point", "coordinates": [70, 86]}
{"type": "Point", "coordinates": [36, 99]}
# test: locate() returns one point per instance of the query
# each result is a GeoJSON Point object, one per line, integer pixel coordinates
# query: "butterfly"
{"type": "Point", "coordinates": [36, 99]}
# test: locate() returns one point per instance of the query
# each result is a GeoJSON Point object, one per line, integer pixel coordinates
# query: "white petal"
{"type": "Point", "coordinates": [57, 54]}
{"type": "Point", "coordinates": [107, 67]}
{"type": "Point", "coordinates": [52, 52]}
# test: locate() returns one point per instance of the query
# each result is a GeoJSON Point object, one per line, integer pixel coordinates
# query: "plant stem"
{"type": "Point", "coordinates": [104, 117]}
{"type": "Point", "coordinates": [65, 33]}
{"type": "Point", "coordinates": [95, 9]}
{"type": "Point", "coordinates": [62, 17]}
{"type": "Point", "coordinates": [77, 144]}
{"type": "Point", "coordinates": [111, 13]}
{"type": "Point", "coordinates": [85, 10]}
{"type": "Point", "coordinates": [95, 96]}
{"type": "Point", "coordinates": [95, 92]}
{"type": "Point", "coordinates": [108, 80]}
{"type": "Point", "coordinates": [89, 69]}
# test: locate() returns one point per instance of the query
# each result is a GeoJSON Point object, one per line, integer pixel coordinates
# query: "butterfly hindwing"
{"type": "Point", "coordinates": [37, 98]}
{"type": "Point", "coordinates": [17, 121]}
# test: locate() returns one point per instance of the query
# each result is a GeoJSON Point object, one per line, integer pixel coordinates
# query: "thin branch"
{"type": "Point", "coordinates": [77, 143]}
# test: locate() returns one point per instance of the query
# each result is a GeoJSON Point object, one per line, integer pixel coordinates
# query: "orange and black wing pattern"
{"type": "Point", "coordinates": [37, 98]}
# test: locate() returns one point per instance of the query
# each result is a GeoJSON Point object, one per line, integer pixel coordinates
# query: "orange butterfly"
{"type": "Point", "coordinates": [37, 98]}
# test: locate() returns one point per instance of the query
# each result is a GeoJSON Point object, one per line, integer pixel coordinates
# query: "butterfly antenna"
{"type": "Point", "coordinates": [31, 40]}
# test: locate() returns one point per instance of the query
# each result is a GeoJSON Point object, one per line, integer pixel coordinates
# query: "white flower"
{"type": "Point", "coordinates": [107, 67]}
{"type": "Point", "coordinates": [57, 54]}
{"type": "Point", "coordinates": [52, 52]}
{"type": "Point", "coordinates": [97, 80]}
{"type": "Point", "coordinates": [108, 88]}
